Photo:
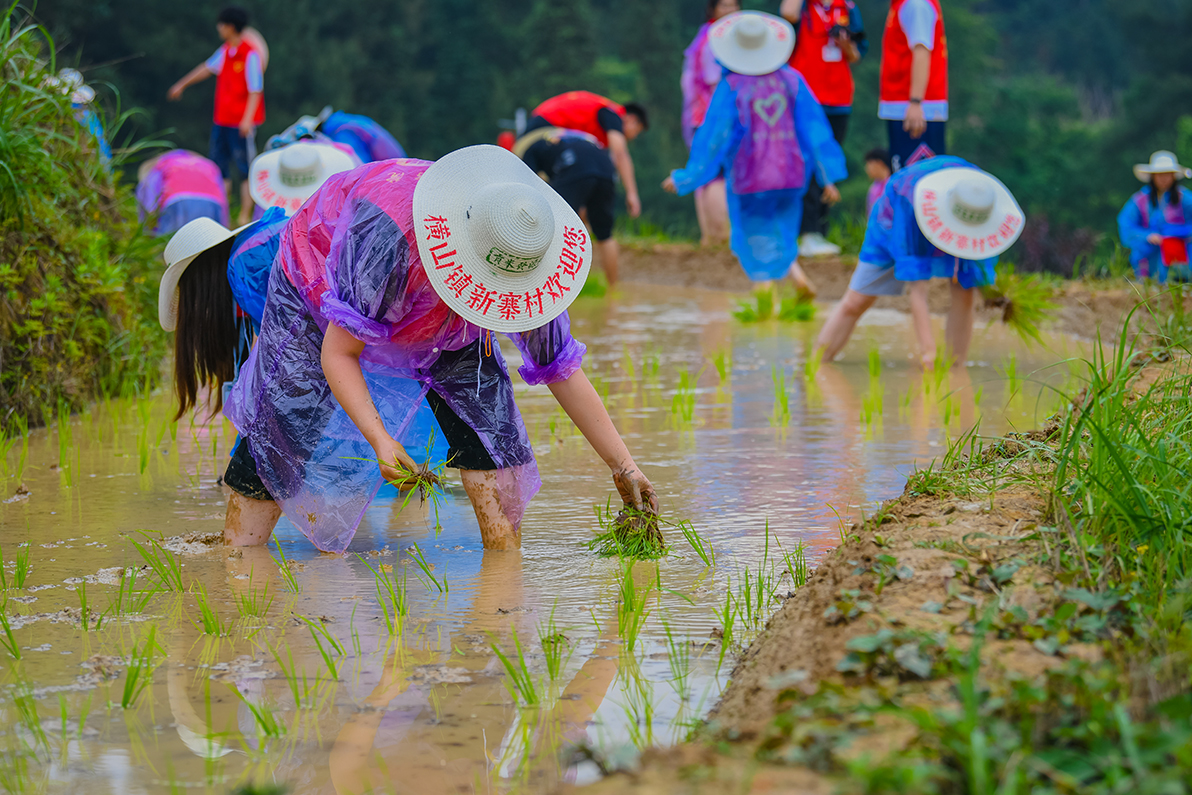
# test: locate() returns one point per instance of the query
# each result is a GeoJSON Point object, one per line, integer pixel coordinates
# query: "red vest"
{"type": "Point", "coordinates": [231, 88]}
{"type": "Point", "coordinates": [896, 60]}
{"type": "Point", "coordinates": [576, 110]}
{"type": "Point", "coordinates": [830, 81]}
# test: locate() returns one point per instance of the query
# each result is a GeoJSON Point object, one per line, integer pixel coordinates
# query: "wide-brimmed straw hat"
{"type": "Point", "coordinates": [967, 213]}
{"type": "Point", "coordinates": [287, 177]}
{"type": "Point", "coordinates": [752, 42]}
{"type": "Point", "coordinates": [187, 243]}
{"type": "Point", "coordinates": [1162, 162]}
{"type": "Point", "coordinates": [498, 245]}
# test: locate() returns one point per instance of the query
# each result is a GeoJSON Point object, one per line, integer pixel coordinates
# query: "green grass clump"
{"type": "Point", "coordinates": [758, 309]}
{"type": "Point", "coordinates": [630, 534]}
{"type": "Point", "coordinates": [79, 282]}
{"type": "Point", "coordinates": [793, 309]}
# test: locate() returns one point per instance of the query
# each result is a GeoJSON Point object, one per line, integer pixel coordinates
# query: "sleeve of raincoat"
{"type": "Point", "coordinates": [1131, 228]}
{"type": "Point", "coordinates": [549, 354]}
{"type": "Point", "coordinates": [252, 260]}
{"type": "Point", "coordinates": [713, 142]}
{"type": "Point", "coordinates": [368, 266]}
{"type": "Point", "coordinates": [816, 139]}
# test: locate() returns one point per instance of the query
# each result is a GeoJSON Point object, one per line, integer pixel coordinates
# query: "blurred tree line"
{"type": "Point", "coordinates": [1056, 99]}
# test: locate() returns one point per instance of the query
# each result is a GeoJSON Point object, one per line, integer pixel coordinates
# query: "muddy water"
{"type": "Point", "coordinates": [428, 707]}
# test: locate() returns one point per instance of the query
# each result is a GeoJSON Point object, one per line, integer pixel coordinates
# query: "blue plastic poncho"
{"type": "Point", "coordinates": [349, 256]}
{"type": "Point", "coordinates": [370, 141]}
{"type": "Point", "coordinates": [768, 134]}
{"type": "Point", "coordinates": [251, 260]}
{"type": "Point", "coordinates": [893, 239]}
{"type": "Point", "coordinates": [1139, 219]}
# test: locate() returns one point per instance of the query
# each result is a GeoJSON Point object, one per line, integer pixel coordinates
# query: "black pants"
{"type": "Point", "coordinates": [815, 212]}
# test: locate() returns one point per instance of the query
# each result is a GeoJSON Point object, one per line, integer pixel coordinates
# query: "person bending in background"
{"type": "Point", "coordinates": [613, 126]}
{"type": "Point", "coordinates": [940, 218]}
{"type": "Point", "coordinates": [581, 172]}
{"type": "Point", "coordinates": [1154, 224]}
{"type": "Point", "coordinates": [368, 139]}
{"type": "Point", "coordinates": [765, 129]}
{"type": "Point", "coordinates": [179, 187]}
{"type": "Point", "coordinates": [701, 74]}
{"type": "Point", "coordinates": [879, 170]}
{"type": "Point", "coordinates": [914, 81]}
{"type": "Point", "coordinates": [239, 100]}
{"type": "Point", "coordinates": [830, 39]}
{"type": "Point", "coordinates": [388, 286]}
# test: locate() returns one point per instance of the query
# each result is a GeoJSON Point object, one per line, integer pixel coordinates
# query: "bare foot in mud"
{"type": "Point", "coordinates": [803, 285]}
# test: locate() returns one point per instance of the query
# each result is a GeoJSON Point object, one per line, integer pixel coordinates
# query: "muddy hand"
{"type": "Point", "coordinates": [635, 489]}
{"type": "Point", "coordinates": [396, 464]}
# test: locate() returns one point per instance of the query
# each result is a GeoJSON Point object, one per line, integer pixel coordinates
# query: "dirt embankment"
{"type": "Point", "coordinates": [1082, 307]}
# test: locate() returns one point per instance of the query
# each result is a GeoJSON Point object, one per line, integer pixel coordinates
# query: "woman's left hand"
{"type": "Point", "coordinates": [635, 488]}
{"type": "Point", "coordinates": [668, 185]}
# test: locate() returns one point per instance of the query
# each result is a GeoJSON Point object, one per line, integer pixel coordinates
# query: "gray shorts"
{"type": "Point", "coordinates": [875, 280]}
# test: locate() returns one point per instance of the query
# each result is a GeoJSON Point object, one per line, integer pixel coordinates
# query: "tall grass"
{"type": "Point", "coordinates": [75, 315]}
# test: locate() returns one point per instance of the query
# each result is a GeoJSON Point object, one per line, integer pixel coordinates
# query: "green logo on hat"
{"type": "Point", "coordinates": [503, 260]}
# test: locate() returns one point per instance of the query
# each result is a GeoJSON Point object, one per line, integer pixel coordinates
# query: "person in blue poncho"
{"type": "Point", "coordinates": [766, 131]}
{"type": "Point", "coordinates": [1154, 224]}
{"type": "Point", "coordinates": [366, 137]}
{"type": "Point", "coordinates": [938, 218]}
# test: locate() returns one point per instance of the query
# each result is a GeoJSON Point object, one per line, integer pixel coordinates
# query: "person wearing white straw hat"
{"type": "Point", "coordinates": [766, 131]}
{"type": "Point", "coordinates": [1154, 224]}
{"type": "Point", "coordinates": [288, 176]}
{"type": "Point", "coordinates": [387, 288]}
{"type": "Point", "coordinates": [938, 218]}
{"type": "Point", "coordinates": [178, 187]}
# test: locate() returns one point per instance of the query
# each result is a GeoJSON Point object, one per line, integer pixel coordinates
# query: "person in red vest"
{"type": "Point", "coordinates": [914, 81]}
{"type": "Point", "coordinates": [239, 100]}
{"type": "Point", "coordinates": [830, 39]}
{"type": "Point", "coordinates": [613, 126]}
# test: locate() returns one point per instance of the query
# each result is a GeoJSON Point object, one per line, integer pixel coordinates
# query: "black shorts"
{"type": "Point", "coordinates": [465, 449]}
{"type": "Point", "coordinates": [598, 194]}
{"type": "Point", "coordinates": [241, 475]}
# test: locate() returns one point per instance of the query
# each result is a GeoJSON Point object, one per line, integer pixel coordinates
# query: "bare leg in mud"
{"type": "Point", "coordinates": [610, 254]}
{"type": "Point", "coordinates": [840, 324]}
{"type": "Point", "coordinates": [248, 522]}
{"type": "Point", "coordinates": [921, 320]}
{"type": "Point", "coordinates": [960, 324]}
{"type": "Point", "coordinates": [803, 285]}
{"type": "Point", "coordinates": [496, 531]}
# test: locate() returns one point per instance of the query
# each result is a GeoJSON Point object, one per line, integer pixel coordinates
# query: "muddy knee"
{"type": "Point", "coordinates": [496, 530]}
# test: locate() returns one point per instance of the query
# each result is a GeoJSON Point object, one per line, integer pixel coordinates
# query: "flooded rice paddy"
{"type": "Point", "coordinates": [463, 671]}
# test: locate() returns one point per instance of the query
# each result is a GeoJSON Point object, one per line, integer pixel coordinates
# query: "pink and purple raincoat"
{"type": "Point", "coordinates": [180, 187]}
{"type": "Point", "coordinates": [701, 74]}
{"type": "Point", "coordinates": [349, 257]}
{"type": "Point", "coordinates": [769, 134]}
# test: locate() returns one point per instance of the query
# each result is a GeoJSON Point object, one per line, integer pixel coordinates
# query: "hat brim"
{"type": "Point", "coordinates": [1144, 171]}
{"type": "Point", "coordinates": [195, 237]}
{"type": "Point", "coordinates": [769, 58]}
{"type": "Point", "coordinates": [264, 177]}
{"type": "Point", "coordinates": [958, 238]}
{"type": "Point", "coordinates": [493, 299]}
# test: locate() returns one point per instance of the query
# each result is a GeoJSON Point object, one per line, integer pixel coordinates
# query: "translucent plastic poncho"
{"type": "Point", "coordinates": [349, 257]}
{"type": "Point", "coordinates": [1139, 219]}
{"type": "Point", "coordinates": [767, 132]}
{"type": "Point", "coordinates": [893, 237]}
{"type": "Point", "coordinates": [181, 186]}
{"type": "Point", "coordinates": [701, 74]}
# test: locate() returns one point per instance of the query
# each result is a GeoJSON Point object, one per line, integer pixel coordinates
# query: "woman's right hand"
{"type": "Point", "coordinates": [1154, 238]}
{"type": "Point", "coordinates": [635, 488]}
{"type": "Point", "coordinates": [391, 455]}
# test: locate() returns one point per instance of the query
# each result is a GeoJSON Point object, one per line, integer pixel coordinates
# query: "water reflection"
{"type": "Point", "coordinates": [429, 708]}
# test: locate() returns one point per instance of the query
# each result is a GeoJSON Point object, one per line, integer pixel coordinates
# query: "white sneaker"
{"type": "Point", "coordinates": [813, 244]}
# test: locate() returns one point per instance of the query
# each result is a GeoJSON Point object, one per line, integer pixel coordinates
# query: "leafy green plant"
{"type": "Point", "coordinates": [286, 571]}
{"type": "Point", "coordinates": [427, 570]}
{"type": "Point", "coordinates": [302, 690]}
{"type": "Point", "coordinates": [166, 566]}
{"type": "Point", "coordinates": [782, 408]}
{"type": "Point", "coordinates": [723, 362]}
{"type": "Point", "coordinates": [683, 402]}
{"type": "Point", "coordinates": [632, 606]}
{"type": "Point", "coordinates": [6, 639]}
{"type": "Point", "coordinates": [139, 674]}
{"type": "Point", "coordinates": [209, 621]}
{"type": "Point", "coordinates": [1025, 302]}
{"type": "Point", "coordinates": [702, 548]}
{"type": "Point", "coordinates": [252, 603]}
{"type": "Point", "coordinates": [796, 309]}
{"type": "Point", "coordinates": [391, 596]}
{"type": "Point", "coordinates": [264, 717]}
{"type": "Point", "coordinates": [629, 534]}
{"type": "Point", "coordinates": [758, 309]}
{"type": "Point", "coordinates": [678, 657]}
{"type": "Point", "coordinates": [21, 567]}
{"type": "Point", "coordinates": [521, 681]}
{"type": "Point", "coordinates": [329, 648]}
{"type": "Point", "coordinates": [556, 647]}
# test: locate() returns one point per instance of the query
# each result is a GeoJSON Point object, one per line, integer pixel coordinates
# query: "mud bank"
{"type": "Point", "coordinates": [955, 599]}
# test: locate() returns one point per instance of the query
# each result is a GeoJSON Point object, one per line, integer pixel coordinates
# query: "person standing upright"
{"type": "Point", "coordinates": [239, 100]}
{"type": "Point", "coordinates": [831, 38]}
{"type": "Point", "coordinates": [914, 81]}
{"type": "Point", "coordinates": [613, 126]}
{"type": "Point", "coordinates": [701, 74]}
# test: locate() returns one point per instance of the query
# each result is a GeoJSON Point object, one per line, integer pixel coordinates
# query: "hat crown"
{"type": "Point", "coordinates": [1163, 159]}
{"type": "Point", "coordinates": [511, 225]}
{"type": "Point", "coordinates": [298, 166]}
{"type": "Point", "coordinates": [972, 201]}
{"type": "Point", "coordinates": [750, 33]}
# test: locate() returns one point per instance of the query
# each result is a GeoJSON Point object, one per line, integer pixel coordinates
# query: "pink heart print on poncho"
{"type": "Point", "coordinates": [769, 157]}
